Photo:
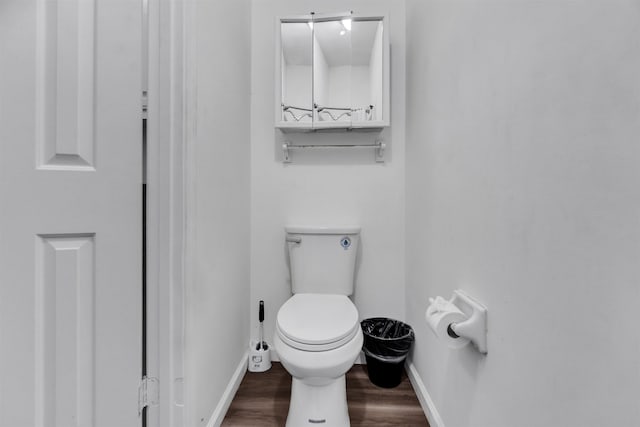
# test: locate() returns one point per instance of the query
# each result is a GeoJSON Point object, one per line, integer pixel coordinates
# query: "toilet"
{"type": "Point", "coordinates": [318, 336]}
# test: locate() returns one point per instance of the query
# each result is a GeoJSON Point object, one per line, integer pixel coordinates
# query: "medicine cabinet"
{"type": "Point", "coordinates": [332, 72]}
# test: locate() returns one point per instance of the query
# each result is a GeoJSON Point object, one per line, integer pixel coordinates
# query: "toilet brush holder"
{"type": "Point", "coordinates": [259, 357]}
{"type": "Point", "coordinates": [259, 352]}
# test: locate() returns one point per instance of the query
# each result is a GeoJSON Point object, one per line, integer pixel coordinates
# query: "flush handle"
{"type": "Point", "coordinates": [294, 239]}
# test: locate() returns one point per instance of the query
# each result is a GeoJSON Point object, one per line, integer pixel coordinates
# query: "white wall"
{"type": "Point", "coordinates": [340, 92]}
{"type": "Point", "coordinates": [349, 86]}
{"type": "Point", "coordinates": [297, 87]}
{"type": "Point", "coordinates": [217, 251]}
{"type": "Point", "coordinates": [523, 189]}
{"type": "Point", "coordinates": [325, 186]}
{"type": "Point", "coordinates": [321, 75]}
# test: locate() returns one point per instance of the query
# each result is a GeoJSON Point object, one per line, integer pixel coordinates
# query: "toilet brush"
{"type": "Point", "coordinates": [259, 354]}
{"type": "Point", "coordinates": [261, 343]}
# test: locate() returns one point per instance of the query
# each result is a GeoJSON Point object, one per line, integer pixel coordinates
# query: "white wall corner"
{"type": "Point", "coordinates": [426, 402]}
{"type": "Point", "coordinates": [229, 393]}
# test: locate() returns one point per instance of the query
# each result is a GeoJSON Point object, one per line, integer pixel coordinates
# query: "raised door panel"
{"type": "Point", "coordinates": [65, 330]}
{"type": "Point", "coordinates": [65, 73]}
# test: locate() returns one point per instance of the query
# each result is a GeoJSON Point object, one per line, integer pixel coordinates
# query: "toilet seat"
{"type": "Point", "coordinates": [317, 322]}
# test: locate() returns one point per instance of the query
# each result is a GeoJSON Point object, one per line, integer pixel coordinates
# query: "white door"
{"type": "Point", "coordinates": [70, 212]}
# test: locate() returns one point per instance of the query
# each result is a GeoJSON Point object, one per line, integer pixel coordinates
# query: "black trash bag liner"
{"type": "Point", "coordinates": [385, 339]}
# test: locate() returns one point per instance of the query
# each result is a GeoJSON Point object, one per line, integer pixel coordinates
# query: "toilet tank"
{"type": "Point", "coordinates": [322, 259]}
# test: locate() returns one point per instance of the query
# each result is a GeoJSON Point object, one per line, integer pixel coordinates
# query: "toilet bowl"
{"type": "Point", "coordinates": [318, 338]}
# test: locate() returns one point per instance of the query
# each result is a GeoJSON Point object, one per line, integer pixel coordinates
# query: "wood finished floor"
{"type": "Point", "coordinates": [263, 400]}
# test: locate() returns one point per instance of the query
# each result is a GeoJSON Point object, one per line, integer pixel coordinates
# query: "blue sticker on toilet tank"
{"type": "Point", "coordinates": [345, 242]}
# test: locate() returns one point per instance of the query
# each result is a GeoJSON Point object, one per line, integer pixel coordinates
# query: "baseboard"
{"type": "Point", "coordinates": [423, 396]}
{"type": "Point", "coordinates": [225, 401]}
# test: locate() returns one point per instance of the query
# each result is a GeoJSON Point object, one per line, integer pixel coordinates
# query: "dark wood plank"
{"type": "Point", "coordinates": [370, 405]}
{"type": "Point", "coordinates": [263, 400]}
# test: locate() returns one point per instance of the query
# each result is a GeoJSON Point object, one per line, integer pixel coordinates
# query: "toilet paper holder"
{"type": "Point", "coordinates": [475, 327]}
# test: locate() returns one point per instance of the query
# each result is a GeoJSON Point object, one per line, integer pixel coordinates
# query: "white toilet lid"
{"type": "Point", "coordinates": [318, 320]}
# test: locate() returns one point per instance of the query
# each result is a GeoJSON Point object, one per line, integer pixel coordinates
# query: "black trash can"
{"type": "Point", "coordinates": [386, 345]}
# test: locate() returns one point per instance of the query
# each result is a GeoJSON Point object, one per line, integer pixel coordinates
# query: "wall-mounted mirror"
{"type": "Point", "coordinates": [333, 73]}
{"type": "Point", "coordinates": [367, 70]}
{"type": "Point", "coordinates": [296, 73]}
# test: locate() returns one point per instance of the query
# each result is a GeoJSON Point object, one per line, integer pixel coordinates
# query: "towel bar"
{"type": "Point", "coordinates": [379, 149]}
